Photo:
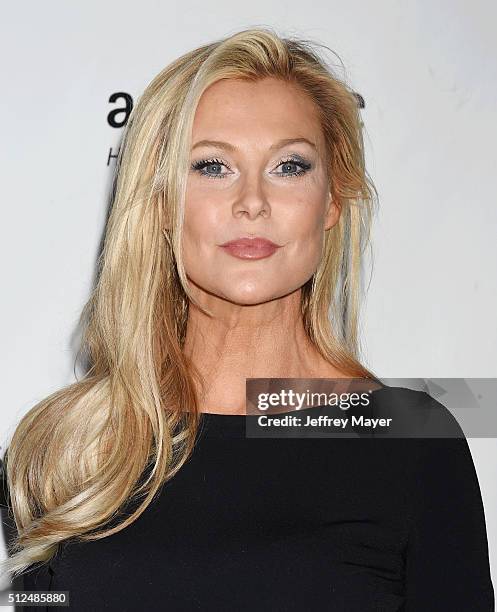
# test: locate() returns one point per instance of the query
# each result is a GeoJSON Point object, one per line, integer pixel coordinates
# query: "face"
{"type": "Point", "coordinates": [263, 177]}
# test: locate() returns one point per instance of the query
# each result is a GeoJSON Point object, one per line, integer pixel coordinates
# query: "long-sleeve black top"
{"type": "Point", "coordinates": [299, 523]}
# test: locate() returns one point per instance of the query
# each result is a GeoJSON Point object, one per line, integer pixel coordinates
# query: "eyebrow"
{"type": "Point", "coordinates": [226, 145]}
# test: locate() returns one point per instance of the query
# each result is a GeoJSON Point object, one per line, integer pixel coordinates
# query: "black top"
{"type": "Point", "coordinates": [348, 524]}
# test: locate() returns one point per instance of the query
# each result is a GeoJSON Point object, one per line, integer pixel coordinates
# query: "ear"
{"type": "Point", "coordinates": [332, 214]}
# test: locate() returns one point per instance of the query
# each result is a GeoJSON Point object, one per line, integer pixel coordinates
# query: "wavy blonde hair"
{"type": "Point", "coordinates": [130, 423]}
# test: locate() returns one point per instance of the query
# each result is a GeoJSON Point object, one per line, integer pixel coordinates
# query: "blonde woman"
{"type": "Point", "coordinates": [233, 251]}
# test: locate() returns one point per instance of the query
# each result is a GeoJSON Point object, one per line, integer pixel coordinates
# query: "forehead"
{"type": "Point", "coordinates": [267, 108]}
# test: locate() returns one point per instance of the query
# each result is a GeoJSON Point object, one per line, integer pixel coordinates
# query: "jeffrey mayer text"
{"type": "Point", "coordinates": [321, 421]}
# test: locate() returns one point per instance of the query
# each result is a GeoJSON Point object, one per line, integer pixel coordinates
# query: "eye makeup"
{"type": "Point", "coordinates": [304, 166]}
{"type": "Point", "coordinates": [293, 160]}
{"type": "Point", "coordinates": [201, 165]}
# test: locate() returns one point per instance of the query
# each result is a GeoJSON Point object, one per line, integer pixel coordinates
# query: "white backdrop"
{"type": "Point", "coordinates": [427, 72]}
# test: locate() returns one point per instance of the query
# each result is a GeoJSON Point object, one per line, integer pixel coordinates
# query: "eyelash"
{"type": "Point", "coordinates": [201, 164]}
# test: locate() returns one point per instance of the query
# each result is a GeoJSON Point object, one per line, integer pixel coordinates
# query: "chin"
{"type": "Point", "coordinates": [252, 295]}
{"type": "Point", "coordinates": [249, 299]}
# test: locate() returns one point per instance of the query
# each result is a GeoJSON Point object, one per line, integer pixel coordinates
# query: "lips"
{"type": "Point", "coordinates": [250, 248]}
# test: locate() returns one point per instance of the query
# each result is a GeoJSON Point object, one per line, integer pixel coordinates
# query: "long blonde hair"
{"type": "Point", "coordinates": [130, 423]}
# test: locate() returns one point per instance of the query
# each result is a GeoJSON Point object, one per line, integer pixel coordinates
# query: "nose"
{"type": "Point", "coordinates": [251, 199]}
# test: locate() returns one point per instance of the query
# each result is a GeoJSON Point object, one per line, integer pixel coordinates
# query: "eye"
{"type": "Point", "coordinates": [211, 168]}
{"type": "Point", "coordinates": [292, 167]}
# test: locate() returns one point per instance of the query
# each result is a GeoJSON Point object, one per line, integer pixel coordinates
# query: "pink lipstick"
{"type": "Point", "coordinates": [250, 248]}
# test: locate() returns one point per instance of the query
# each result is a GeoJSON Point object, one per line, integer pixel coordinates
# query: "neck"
{"type": "Point", "coordinates": [257, 341]}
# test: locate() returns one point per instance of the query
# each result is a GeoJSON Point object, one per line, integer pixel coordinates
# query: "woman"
{"type": "Point", "coordinates": [233, 251]}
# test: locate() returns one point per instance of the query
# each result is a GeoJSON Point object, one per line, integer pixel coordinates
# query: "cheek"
{"type": "Point", "coordinates": [202, 231]}
{"type": "Point", "coordinates": [305, 228]}
{"type": "Point", "coordinates": [304, 249]}
{"type": "Point", "coordinates": [192, 239]}
{"type": "Point", "coordinates": [201, 224]}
